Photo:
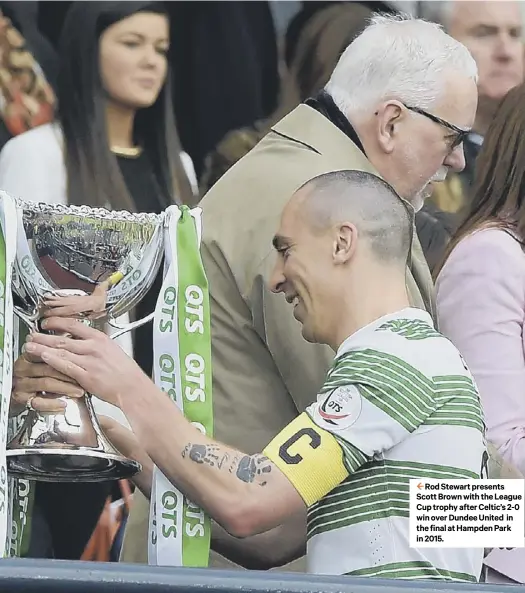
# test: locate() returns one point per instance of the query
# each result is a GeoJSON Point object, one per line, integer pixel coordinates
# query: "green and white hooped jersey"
{"type": "Point", "coordinates": [402, 404]}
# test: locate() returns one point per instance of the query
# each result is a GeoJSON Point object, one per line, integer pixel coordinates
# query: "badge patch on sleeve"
{"type": "Point", "coordinates": [340, 408]}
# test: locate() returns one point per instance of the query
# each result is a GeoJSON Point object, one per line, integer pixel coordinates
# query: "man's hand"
{"type": "Point", "coordinates": [31, 377]}
{"type": "Point", "coordinates": [71, 306]}
{"type": "Point", "coordinates": [89, 358]}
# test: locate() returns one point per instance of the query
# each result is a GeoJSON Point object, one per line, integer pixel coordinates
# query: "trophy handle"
{"type": "Point", "coordinates": [122, 329]}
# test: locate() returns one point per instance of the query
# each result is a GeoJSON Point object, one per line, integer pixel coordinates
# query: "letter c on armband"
{"type": "Point", "coordinates": [315, 441]}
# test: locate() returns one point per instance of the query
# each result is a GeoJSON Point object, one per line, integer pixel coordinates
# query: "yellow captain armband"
{"type": "Point", "coordinates": [309, 457]}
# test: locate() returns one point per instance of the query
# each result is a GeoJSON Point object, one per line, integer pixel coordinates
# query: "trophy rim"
{"type": "Point", "coordinates": [83, 211]}
{"type": "Point", "coordinates": [50, 212]}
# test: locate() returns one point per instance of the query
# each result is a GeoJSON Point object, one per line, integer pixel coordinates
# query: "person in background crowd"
{"type": "Point", "coordinates": [24, 16]}
{"type": "Point", "coordinates": [28, 66]}
{"type": "Point", "coordinates": [114, 84]}
{"type": "Point", "coordinates": [28, 98]}
{"type": "Point", "coordinates": [492, 32]}
{"type": "Point", "coordinates": [315, 41]}
{"type": "Point", "coordinates": [398, 104]}
{"type": "Point", "coordinates": [386, 407]}
{"type": "Point", "coordinates": [226, 65]}
{"type": "Point", "coordinates": [481, 286]}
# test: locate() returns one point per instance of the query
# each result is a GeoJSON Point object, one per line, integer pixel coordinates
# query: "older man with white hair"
{"type": "Point", "coordinates": [401, 135]}
{"type": "Point", "coordinates": [399, 104]}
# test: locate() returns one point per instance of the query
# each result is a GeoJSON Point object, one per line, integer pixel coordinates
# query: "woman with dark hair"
{"type": "Point", "coordinates": [481, 285]}
{"type": "Point", "coordinates": [115, 145]}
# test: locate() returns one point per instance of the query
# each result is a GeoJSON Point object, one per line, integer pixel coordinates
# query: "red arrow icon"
{"type": "Point", "coordinates": [420, 485]}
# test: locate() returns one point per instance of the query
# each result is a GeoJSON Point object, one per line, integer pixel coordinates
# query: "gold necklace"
{"type": "Point", "coordinates": [134, 151]}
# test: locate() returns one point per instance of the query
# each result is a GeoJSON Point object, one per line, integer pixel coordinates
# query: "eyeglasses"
{"type": "Point", "coordinates": [461, 134]}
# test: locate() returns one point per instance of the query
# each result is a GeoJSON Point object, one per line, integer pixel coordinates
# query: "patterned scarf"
{"type": "Point", "coordinates": [26, 98]}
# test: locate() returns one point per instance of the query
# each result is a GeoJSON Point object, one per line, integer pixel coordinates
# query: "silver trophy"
{"type": "Point", "coordinates": [65, 251]}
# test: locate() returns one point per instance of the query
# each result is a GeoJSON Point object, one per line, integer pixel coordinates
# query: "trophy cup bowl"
{"type": "Point", "coordinates": [70, 250]}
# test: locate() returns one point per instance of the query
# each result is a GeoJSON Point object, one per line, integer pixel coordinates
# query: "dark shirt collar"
{"type": "Point", "coordinates": [324, 104]}
{"type": "Point", "coordinates": [471, 149]}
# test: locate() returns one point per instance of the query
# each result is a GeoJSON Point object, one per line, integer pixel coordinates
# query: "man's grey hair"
{"type": "Point", "coordinates": [381, 217]}
{"type": "Point", "coordinates": [397, 57]}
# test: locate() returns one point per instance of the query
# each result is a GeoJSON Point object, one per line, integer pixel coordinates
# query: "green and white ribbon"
{"type": "Point", "coordinates": [180, 532]}
{"type": "Point", "coordinates": [8, 235]}
{"type": "Point", "coordinates": [22, 494]}
{"type": "Point", "coordinates": [21, 491]}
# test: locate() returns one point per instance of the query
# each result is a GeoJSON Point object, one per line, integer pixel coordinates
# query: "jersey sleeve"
{"type": "Point", "coordinates": [371, 402]}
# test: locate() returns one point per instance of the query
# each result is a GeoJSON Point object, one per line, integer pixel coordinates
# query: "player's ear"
{"type": "Point", "coordinates": [345, 242]}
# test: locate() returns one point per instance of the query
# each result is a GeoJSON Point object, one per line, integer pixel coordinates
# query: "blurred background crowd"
{"type": "Point", "coordinates": [218, 76]}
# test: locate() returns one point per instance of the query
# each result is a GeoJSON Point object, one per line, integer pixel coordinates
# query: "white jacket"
{"type": "Point", "coordinates": [32, 166]}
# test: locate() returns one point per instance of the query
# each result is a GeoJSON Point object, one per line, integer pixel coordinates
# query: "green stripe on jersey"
{"type": "Point", "coordinates": [458, 403]}
{"type": "Point", "coordinates": [411, 329]}
{"type": "Point", "coordinates": [419, 569]}
{"type": "Point", "coordinates": [353, 458]}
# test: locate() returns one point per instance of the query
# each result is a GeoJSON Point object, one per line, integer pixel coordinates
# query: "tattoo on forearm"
{"type": "Point", "coordinates": [210, 454]}
{"type": "Point", "coordinates": [252, 466]}
{"type": "Point", "coordinates": [248, 468]}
